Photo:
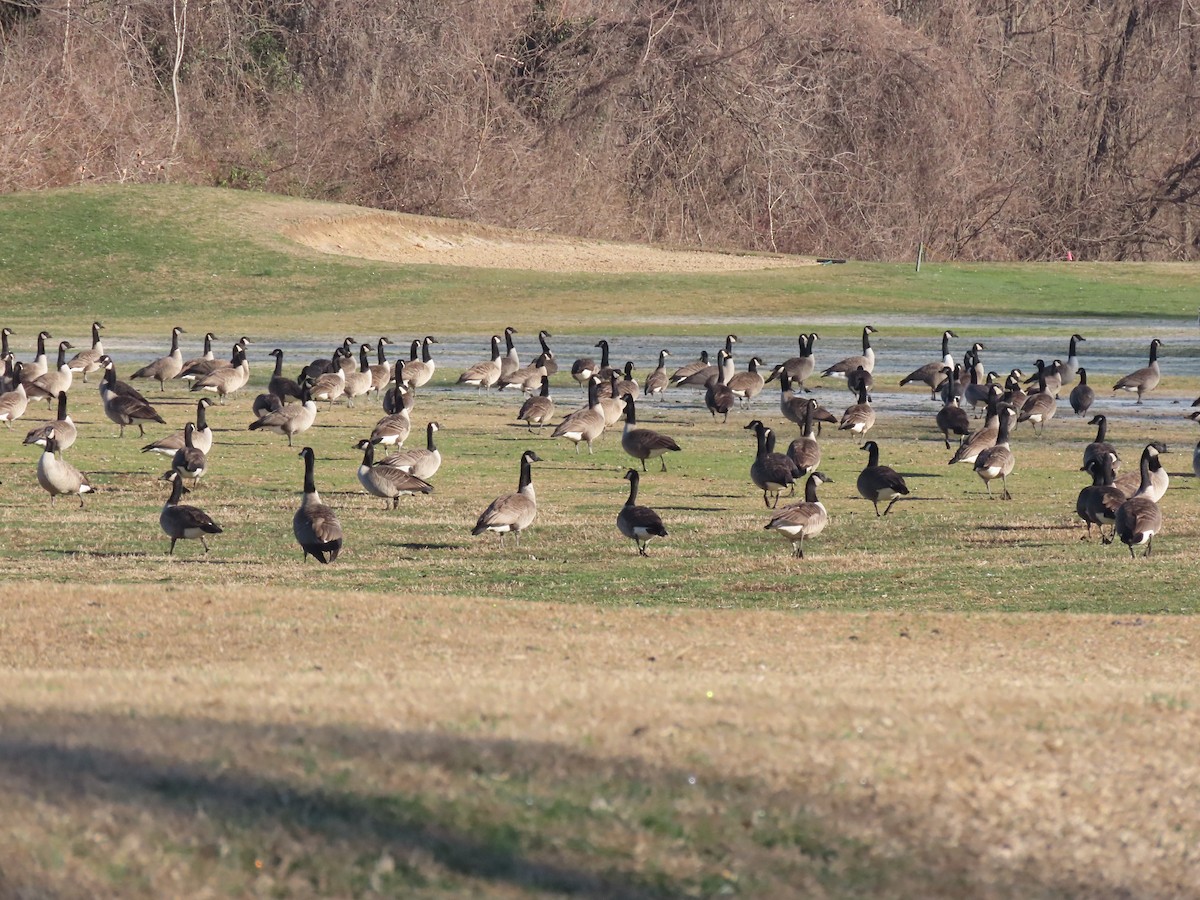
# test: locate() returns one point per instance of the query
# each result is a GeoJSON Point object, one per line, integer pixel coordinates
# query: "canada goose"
{"type": "Point", "coordinates": [998, 460]}
{"type": "Point", "coordinates": [1196, 460]}
{"type": "Point", "coordinates": [40, 364]}
{"type": "Point", "coordinates": [539, 409]}
{"type": "Point", "coordinates": [206, 357]}
{"type": "Point", "coordinates": [1082, 395]}
{"type": "Point", "coordinates": [860, 378]}
{"type": "Point", "coordinates": [644, 443]}
{"type": "Point", "coordinates": [876, 482]}
{"type": "Point", "coordinates": [850, 364]}
{"type": "Point", "coordinates": [772, 473]}
{"type": "Point", "coordinates": [931, 373]}
{"type": "Point", "coordinates": [638, 523]}
{"type": "Point", "coordinates": [1051, 375]}
{"type": "Point", "coordinates": [125, 408]}
{"type": "Point", "coordinates": [189, 461]}
{"type": "Point", "coordinates": [527, 378]}
{"type": "Point", "coordinates": [381, 370]}
{"type": "Point", "coordinates": [1100, 446]}
{"type": "Point", "coordinates": [1130, 483]}
{"type": "Point", "coordinates": [511, 360]}
{"type": "Point", "coordinates": [688, 369]}
{"type": "Point", "coordinates": [316, 525]}
{"type": "Point", "coordinates": [700, 377]}
{"type": "Point", "coordinates": [656, 382]}
{"type": "Point", "coordinates": [858, 418]}
{"type": "Point", "coordinates": [975, 392]}
{"type": "Point", "coordinates": [110, 386]}
{"type": "Point", "coordinates": [385, 481]}
{"type": "Point", "coordinates": [484, 374]}
{"type": "Point", "coordinates": [422, 463]}
{"type": "Point", "coordinates": [1014, 395]}
{"type": "Point", "coordinates": [627, 384]}
{"type": "Point", "coordinates": [1041, 405]}
{"type": "Point", "coordinates": [804, 451]}
{"type": "Point", "coordinates": [968, 451]}
{"type": "Point", "coordinates": [807, 518]}
{"type": "Point", "coordinates": [549, 360]}
{"type": "Point", "coordinates": [512, 513]}
{"type": "Point", "coordinates": [609, 399]}
{"type": "Point", "coordinates": [1071, 366]}
{"type": "Point", "coordinates": [1097, 504]}
{"type": "Point", "coordinates": [55, 381]}
{"type": "Point", "coordinates": [202, 435]}
{"type": "Point", "coordinates": [331, 386]}
{"type": "Point", "coordinates": [585, 424]}
{"type": "Point", "coordinates": [57, 476]}
{"type": "Point", "coordinates": [393, 430]}
{"type": "Point", "coordinates": [322, 366]}
{"type": "Point", "coordinates": [199, 368]}
{"type": "Point", "coordinates": [226, 381]}
{"type": "Point", "coordinates": [418, 372]}
{"type": "Point", "coordinates": [165, 367]}
{"type": "Point", "coordinates": [718, 398]}
{"type": "Point", "coordinates": [797, 367]}
{"type": "Point", "coordinates": [749, 384]}
{"type": "Point", "coordinates": [280, 385]}
{"type": "Point", "coordinates": [290, 420]}
{"type": "Point", "coordinates": [87, 361]}
{"type": "Point", "coordinates": [1144, 379]}
{"type": "Point", "coordinates": [953, 418]}
{"type": "Point", "coordinates": [63, 427]}
{"type": "Point", "coordinates": [792, 407]}
{"type": "Point", "coordinates": [180, 521]}
{"type": "Point", "coordinates": [345, 359]}
{"type": "Point", "coordinates": [400, 395]}
{"type": "Point", "coordinates": [358, 382]}
{"type": "Point", "coordinates": [1139, 518]}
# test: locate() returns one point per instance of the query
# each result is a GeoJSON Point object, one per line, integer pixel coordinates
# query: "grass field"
{"type": "Point", "coordinates": [963, 699]}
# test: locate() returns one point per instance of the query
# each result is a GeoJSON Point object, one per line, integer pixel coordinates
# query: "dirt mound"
{"type": "Point", "coordinates": [423, 240]}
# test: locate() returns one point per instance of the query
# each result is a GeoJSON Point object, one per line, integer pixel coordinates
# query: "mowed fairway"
{"type": "Point", "coordinates": [965, 698]}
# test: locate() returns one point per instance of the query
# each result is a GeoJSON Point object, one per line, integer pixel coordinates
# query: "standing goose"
{"type": "Point", "coordinates": [202, 435]}
{"type": "Point", "coordinates": [804, 451]}
{"type": "Point", "coordinates": [57, 476]}
{"type": "Point", "coordinates": [384, 481]}
{"type": "Point", "coordinates": [794, 408]}
{"type": "Point", "coordinates": [41, 363]}
{"type": "Point", "coordinates": [358, 382]}
{"type": "Point", "coordinates": [229, 380]}
{"type": "Point", "coordinates": [953, 418]}
{"type": "Point", "coordinates": [280, 385]}
{"type": "Point", "coordinates": [63, 428]}
{"type": "Point", "coordinates": [807, 518]}
{"type": "Point", "coordinates": [969, 450]}
{"type": "Point", "coordinates": [549, 361]}
{"type": "Point", "coordinates": [201, 367]}
{"type": "Point", "coordinates": [688, 369]}
{"type": "Point", "coordinates": [1098, 448]}
{"type": "Point", "coordinates": [1071, 366]}
{"type": "Point", "coordinates": [656, 381]}
{"type": "Point", "coordinates": [484, 374]}
{"type": "Point", "coordinates": [511, 360]}
{"type": "Point", "coordinates": [585, 424]}
{"type": "Point", "coordinates": [124, 408]}
{"type": "Point", "coordinates": [182, 522]}
{"type": "Point", "coordinates": [1139, 518]}
{"type": "Point", "coordinates": [700, 377]}
{"type": "Point", "coordinates": [866, 359]}
{"type": "Point", "coordinates": [1196, 460]}
{"type": "Point", "coordinates": [1082, 395]}
{"type": "Point", "coordinates": [772, 473]}
{"type": "Point", "coordinates": [1051, 375]}
{"type": "Point", "coordinates": [381, 370]}
{"type": "Point", "coordinates": [974, 392]}
{"type": "Point", "coordinates": [290, 420]}
{"type": "Point", "coordinates": [1130, 483]}
{"type": "Point", "coordinates": [189, 460]}
{"type": "Point", "coordinates": [638, 523]}
{"type": "Point", "coordinates": [876, 482]}
{"type": "Point", "coordinates": [539, 409]}
{"type": "Point", "coordinates": [203, 358]}
{"type": "Point", "coordinates": [332, 385]}
{"type": "Point", "coordinates": [858, 418]}
{"type": "Point", "coordinates": [1145, 379]}
{"type": "Point", "coordinates": [749, 384]}
{"type": "Point", "coordinates": [316, 525]}
{"type": "Point", "coordinates": [1097, 504]}
{"type": "Point", "coordinates": [644, 443]}
{"type": "Point", "coordinates": [393, 430]}
{"type": "Point", "coordinates": [400, 395]}
{"type": "Point", "coordinates": [859, 378]}
{"type": "Point", "coordinates": [931, 373]}
{"type": "Point", "coordinates": [998, 460]}
{"type": "Point", "coordinates": [14, 403]}
{"type": "Point", "coordinates": [1013, 393]}
{"type": "Point", "coordinates": [797, 367]}
{"type": "Point", "coordinates": [527, 378]}
{"type": "Point", "coordinates": [1040, 406]}
{"type": "Point", "coordinates": [424, 463]}
{"type": "Point", "coordinates": [87, 361]}
{"type": "Point", "coordinates": [512, 513]}
{"type": "Point", "coordinates": [626, 384]}
{"type": "Point", "coordinates": [345, 359]}
{"type": "Point", "coordinates": [322, 366]}
{"type": "Point", "coordinates": [55, 381]}
{"type": "Point", "coordinates": [166, 367]}
{"type": "Point", "coordinates": [610, 400]}
{"type": "Point", "coordinates": [718, 398]}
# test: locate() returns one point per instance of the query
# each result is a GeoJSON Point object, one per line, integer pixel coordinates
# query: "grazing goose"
{"type": "Point", "coordinates": [385, 481]}
{"type": "Point", "coordinates": [381, 369]}
{"type": "Point", "coordinates": [656, 381]}
{"type": "Point", "coordinates": [87, 361]}
{"type": "Point", "coordinates": [688, 369]}
{"type": "Point", "coordinates": [280, 385]}
{"type": "Point", "coordinates": [166, 367]}
{"type": "Point", "coordinates": [1082, 395]}
{"type": "Point", "coordinates": [1144, 379]}
{"type": "Point", "coordinates": [626, 384]}
{"type": "Point", "coordinates": [539, 409]}
{"type": "Point", "coordinates": [41, 363]}
{"type": "Point", "coordinates": [1071, 366]}
{"type": "Point", "coordinates": [484, 374]}
{"type": "Point", "coordinates": [998, 460]}
{"type": "Point", "coordinates": [876, 482]}
{"type": "Point", "coordinates": [57, 476]}
{"type": "Point", "coordinates": [749, 384]}
{"type": "Point", "coordinates": [393, 430]}
{"type": "Point", "coordinates": [63, 428]}
{"type": "Point", "coordinates": [1040, 406]}
{"type": "Point", "coordinates": [807, 518]}
{"type": "Point", "coordinates": [316, 525]}
{"type": "Point", "coordinates": [358, 382]}
{"type": "Point", "coordinates": [54, 382]}
{"type": "Point", "coordinates": [858, 418]}
{"type": "Point", "coordinates": [772, 473]}
{"type": "Point", "coordinates": [701, 376]}
{"type": "Point", "coordinates": [804, 451]}
{"type": "Point", "coordinates": [182, 522]}
{"type": "Point", "coordinates": [644, 443]}
{"type": "Point", "coordinates": [229, 380]}
{"type": "Point", "coordinates": [202, 435]}
{"type": "Point", "coordinates": [14, 403]}
{"type": "Point", "coordinates": [511, 360]}
{"type": "Point", "coordinates": [190, 461]}
{"type": "Point", "coordinates": [638, 523]}
{"type": "Point", "coordinates": [204, 358]}
{"type": "Point", "coordinates": [585, 424]}
{"type": "Point", "coordinates": [512, 513]}
{"type": "Point", "coordinates": [1097, 504]}
{"type": "Point", "coordinates": [331, 386]}
{"type": "Point", "coordinates": [290, 420]}
{"type": "Point", "coordinates": [931, 374]}
{"type": "Point", "coordinates": [1130, 483]}
{"type": "Point", "coordinates": [1098, 448]}
{"type": "Point", "coordinates": [718, 398]}
{"type": "Point", "coordinates": [424, 463]}
{"type": "Point", "coordinates": [125, 408]}
{"type": "Point", "coordinates": [866, 359]}
{"type": "Point", "coordinates": [953, 418]}
{"type": "Point", "coordinates": [1139, 518]}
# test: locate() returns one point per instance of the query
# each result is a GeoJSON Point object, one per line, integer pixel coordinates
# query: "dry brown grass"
{"type": "Point", "coordinates": [153, 738]}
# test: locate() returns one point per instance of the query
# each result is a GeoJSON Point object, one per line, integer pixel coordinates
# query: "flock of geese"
{"type": "Point", "coordinates": [1124, 503]}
